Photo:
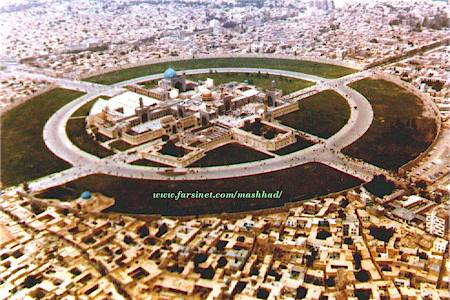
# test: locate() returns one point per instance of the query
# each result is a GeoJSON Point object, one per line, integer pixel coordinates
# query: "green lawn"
{"type": "Point", "coordinates": [148, 163]}
{"type": "Point", "coordinates": [286, 84]}
{"type": "Point", "coordinates": [398, 132]}
{"type": "Point", "coordinates": [24, 155]}
{"type": "Point", "coordinates": [229, 154]}
{"type": "Point", "coordinates": [308, 67]}
{"type": "Point", "coordinates": [76, 132]}
{"type": "Point", "coordinates": [297, 146]}
{"type": "Point", "coordinates": [321, 114]}
{"type": "Point", "coordinates": [136, 196]}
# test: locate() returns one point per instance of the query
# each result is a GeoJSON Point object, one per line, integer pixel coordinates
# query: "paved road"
{"type": "Point", "coordinates": [37, 74]}
{"type": "Point", "coordinates": [297, 75]}
{"type": "Point", "coordinates": [326, 152]}
{"type": "Point", "coordinates": [55, 134]}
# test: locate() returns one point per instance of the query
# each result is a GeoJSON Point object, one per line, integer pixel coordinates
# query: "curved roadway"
{"type": "Point", "coordinates": [361, 116]}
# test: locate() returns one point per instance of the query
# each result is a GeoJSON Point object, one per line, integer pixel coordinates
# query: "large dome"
{"type": "Point", "coordinates": [170, 73]}
{"type": "Point", "coordinates": [86, 195]}
{"type": "Point", "coordinates": [206, 95]}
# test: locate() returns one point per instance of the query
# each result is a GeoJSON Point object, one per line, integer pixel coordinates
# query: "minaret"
{"type": "Point", "coordinates": [272, 94]}
{"type": "Point", "coordinates": [141, 112]}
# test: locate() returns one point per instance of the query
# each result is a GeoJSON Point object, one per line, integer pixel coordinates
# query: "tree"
{"type": "Point", "coordinates": [262, 293]}
{"type": "Point", "coordinates": [222, 262]}
{"type": "Point", "coordinates": [380, 186]}
{"type": "Point", "coordinates": [381, 233]}
{"type": "Point", "coordinates": [362, 276]}
{"type": "Point", "coordinates": [323, 235]}
{"type": "Point", "coordinates": [208, 273]}
{"type": "Point", "coordinates": [36, 208]}
{"type": "Point", "coordinates": [30, 281]}
{"type": "Point", "coordinates": [257, 127]}
{"type": "Point", "coordinates": [143, 231]}
{"type": "Point", "coordinates": [162, 230]}
{"type": "Point", "coordinates": [348, 240]}
{"type": "Point", "coordinates": [310, 258]}
{"type": "Point", "coordinates": [128, 240]}
{"type": "Point", "coordinates": [330, 281]}
{"type": "Point", "coordinates": [200, 258]}
{"type": "Point", "coordinates": [423, 255]}
{"type": "Point", "coordinates": [421, 184]}
{"type": "Point", "coordinates": [301, 293]}
{"type": "Point", "coordinates": [270, 134]}
{"type": "Point", "coordinates": [357, 259]}
{"type": "Point", "coordinates": [169, 148]}
{"type": "Point", "coordinates": [344, 202]}
{"type": "Point", "coordinates": [363, 294]}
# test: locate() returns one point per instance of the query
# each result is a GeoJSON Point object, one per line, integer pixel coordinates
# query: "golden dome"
{"type": "Point", "coordinates": [206, 95]}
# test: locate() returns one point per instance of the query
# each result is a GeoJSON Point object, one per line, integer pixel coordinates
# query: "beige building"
{"type": "Point", "coordinates": [437, 221]}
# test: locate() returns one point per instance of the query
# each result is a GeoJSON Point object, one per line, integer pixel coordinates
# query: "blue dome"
{"type": "Point", "coordinates": [86, 195]}
{"type": "Point", "coordinates": [170, 73]}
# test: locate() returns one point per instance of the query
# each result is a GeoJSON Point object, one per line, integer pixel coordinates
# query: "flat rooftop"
{"type": "Point", "coordinates": [127, 101]}
{"type": "Point", "coordinates": [147, 126]}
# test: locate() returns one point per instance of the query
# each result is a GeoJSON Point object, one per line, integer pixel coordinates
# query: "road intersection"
{"type": "Point", "coordinates": [326, 151]}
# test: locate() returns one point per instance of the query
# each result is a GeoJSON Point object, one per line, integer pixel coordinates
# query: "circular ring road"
{"type": "Point", "coordinates": [327, 152]}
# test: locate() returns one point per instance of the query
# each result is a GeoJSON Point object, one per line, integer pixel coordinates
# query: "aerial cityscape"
{"type": "Point", "coordinates": [226, 149]}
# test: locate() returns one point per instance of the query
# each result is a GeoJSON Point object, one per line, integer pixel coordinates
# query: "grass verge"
{"type": "Point", "coordinates": [308, 67]}
{"type": "Point", "coordinates": [137, 196]}
{"type": "Point", "coordinates": [24, 155]}
{"type": "Point", "coordinates": [399, 132]}
{"type": "Point", "coordinates": [229, 154]}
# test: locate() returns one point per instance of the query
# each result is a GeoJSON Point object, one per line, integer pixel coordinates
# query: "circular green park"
{"type": "Point", "coordinates": [399, 132]}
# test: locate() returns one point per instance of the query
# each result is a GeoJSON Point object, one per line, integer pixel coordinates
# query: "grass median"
{"type": "Point", "coordinates": [76, 131]}
{"type": "Point", "coordinates": [321, 114]}
{"type": "Point", "coordinates": [229, 154]}
{"type": "Point", "coordinates": [303, 66]}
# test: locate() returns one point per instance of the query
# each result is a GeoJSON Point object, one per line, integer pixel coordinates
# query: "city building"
{"type": "Point", "coordinates": [437, 221]}
{"type": "Point", "coordinates": [192, 118]}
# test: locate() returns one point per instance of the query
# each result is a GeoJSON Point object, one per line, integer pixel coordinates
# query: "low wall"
{"type": "Point", "coordinates": [208, 146]}
{"type": "Point", "coordinates": [392, 59]}
{"type": "Point", "coordinates": [142, 138]}
{"type": "Point", "coordinates": [284, 110]}
{"type": "Point", "coordinates": [180, 162]}
{"type": "Point", "coordinates": [106, 132]}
